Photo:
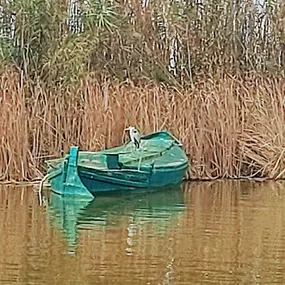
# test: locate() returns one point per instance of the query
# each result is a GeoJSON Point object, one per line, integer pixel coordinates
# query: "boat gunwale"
{"type": "Point", "coordinates": [135, 168]}
{"type": "Point", "coordinates": [129, 167]}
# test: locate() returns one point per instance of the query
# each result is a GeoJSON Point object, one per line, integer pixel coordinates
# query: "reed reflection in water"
{"type": "Point", "coordinates": [229, 232]}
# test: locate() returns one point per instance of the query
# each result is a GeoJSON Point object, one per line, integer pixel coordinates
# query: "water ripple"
{"type": "Point", "coordinates": [229, 232]}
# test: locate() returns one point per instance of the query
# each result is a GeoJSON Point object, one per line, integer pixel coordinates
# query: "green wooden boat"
{"type": "Point", "coordinates": [161, 161]}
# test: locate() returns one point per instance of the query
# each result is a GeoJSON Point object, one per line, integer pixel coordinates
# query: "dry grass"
{"type": "Point", "coordinates": [16, 160]}
{"type": "Point", "coordinates": [231, 128]}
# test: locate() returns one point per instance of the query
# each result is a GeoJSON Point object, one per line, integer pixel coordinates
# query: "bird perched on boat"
{"type": "Point", "coordinates": [135, 136]}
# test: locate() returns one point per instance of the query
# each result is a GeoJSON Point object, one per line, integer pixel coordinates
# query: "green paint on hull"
{"type": "Point", "coordinates": [161, 161]}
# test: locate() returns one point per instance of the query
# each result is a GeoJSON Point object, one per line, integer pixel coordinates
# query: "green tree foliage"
{"type": "Point", "coordinates": [168, 41]}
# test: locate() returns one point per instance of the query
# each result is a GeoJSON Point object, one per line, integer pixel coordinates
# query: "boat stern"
{"type": "Point", "coordinates": [64, 178]}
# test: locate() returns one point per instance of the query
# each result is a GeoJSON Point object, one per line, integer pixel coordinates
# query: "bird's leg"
{"type": "Point", "coordinates": [140, 161]}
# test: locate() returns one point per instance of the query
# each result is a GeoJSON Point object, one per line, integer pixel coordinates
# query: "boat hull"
{"type": "Point", "coordinates": [161, 163]}
{"type": "Point", "coordinates": [98, 185]}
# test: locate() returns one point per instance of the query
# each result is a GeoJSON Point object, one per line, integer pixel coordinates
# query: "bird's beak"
{"type": "Point", "coordinates": [127, 129]}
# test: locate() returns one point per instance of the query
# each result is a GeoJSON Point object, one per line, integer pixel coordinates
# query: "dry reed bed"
{"type": "Point", "coordinates": [231, 128]}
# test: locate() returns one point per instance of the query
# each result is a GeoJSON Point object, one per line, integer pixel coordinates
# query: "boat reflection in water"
{"type": "Point", "coordinates": [156, 206]}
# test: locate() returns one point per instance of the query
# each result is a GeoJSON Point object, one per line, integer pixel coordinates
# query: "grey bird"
{"type": "Point", "coordinates": [135, 136]}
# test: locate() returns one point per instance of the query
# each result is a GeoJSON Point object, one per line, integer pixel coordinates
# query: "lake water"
{"type": "Point", "coordinates": [229, 232]}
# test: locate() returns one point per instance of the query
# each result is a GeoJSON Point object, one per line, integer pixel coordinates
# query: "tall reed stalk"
{"type": "Point", "coordinates": [231, 128]}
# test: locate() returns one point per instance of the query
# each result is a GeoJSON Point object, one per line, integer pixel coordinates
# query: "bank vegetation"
{"type": "Point", "coordinates": [79, 72]}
